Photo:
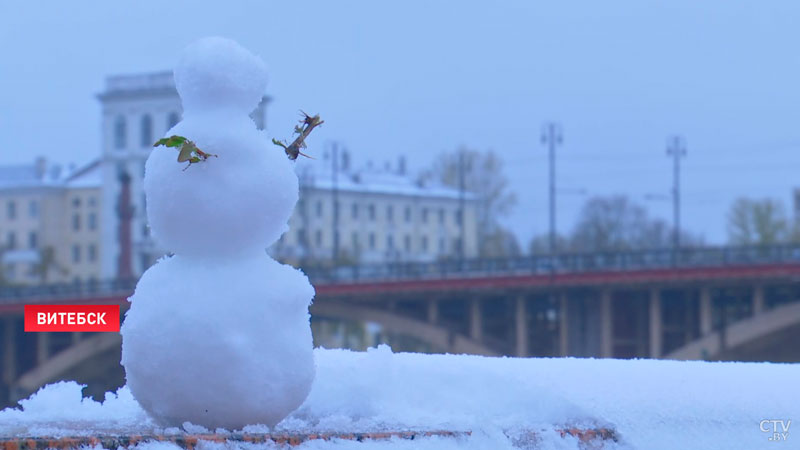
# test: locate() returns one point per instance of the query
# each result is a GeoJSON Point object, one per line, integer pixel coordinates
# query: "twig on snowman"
{"type": "Point", "coordinates": [188, 150]}
{"type": "Point", "coordinates": [307, 124]}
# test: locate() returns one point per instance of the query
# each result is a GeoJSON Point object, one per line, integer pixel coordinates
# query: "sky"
{"type": "Point", "coordinates": [417, 78]}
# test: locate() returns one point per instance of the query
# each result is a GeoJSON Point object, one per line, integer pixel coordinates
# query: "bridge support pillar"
{"type": "Point", "coordinates": [705, 312]}
{"type": "Point", "coordinates": [758, 300]}
{"type": "Point", "coordinates": [433, 311]}
{"type": "Point", "coordinates": [656, 325]}
{"type": "Point", "coordinates": [475, 320]}
{"type": "Point", "coordinates": [563, 325]}
{"type": "Point", "coordinates": [42, 347]}
{"type": "Point", "coordinates": [521, 328]}
{"type": "Point", "coordinates": [606, 325]}
{"type": "Point", "coordinates": [9, 372]}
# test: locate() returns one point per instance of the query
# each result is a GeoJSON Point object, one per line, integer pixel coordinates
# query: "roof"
{"type": "Point", "coordinates": [88, 176]}
{"type": "Point", "coordinates": [24, 176]}
{"type": "Point", "coordinates": [374, 181]}
{"type": "Point", "coordinates": [42, 175]}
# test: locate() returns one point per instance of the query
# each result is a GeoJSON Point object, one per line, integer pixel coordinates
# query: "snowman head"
{"type": "Point", "coordinates": [217, 73]}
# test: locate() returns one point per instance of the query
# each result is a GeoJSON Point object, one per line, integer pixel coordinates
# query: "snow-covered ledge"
{"type": "Point", "coordinates": [650, 404]}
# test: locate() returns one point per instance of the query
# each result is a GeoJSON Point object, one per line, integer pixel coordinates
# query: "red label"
{"type": "Point", "coordinates": [71, 317]}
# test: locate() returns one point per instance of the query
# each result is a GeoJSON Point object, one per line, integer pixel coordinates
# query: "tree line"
{"type": "Point", "coordinates": [605, 223]}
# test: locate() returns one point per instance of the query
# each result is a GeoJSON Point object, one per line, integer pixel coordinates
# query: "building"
{"type": "Point", "coordinates": [383, 214]}
{"type": "Point", "coordinates": [50, 223]}
{"type": "Point", "coordinates": [380, 215]}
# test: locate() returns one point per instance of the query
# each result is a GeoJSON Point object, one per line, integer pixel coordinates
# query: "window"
{"type": "Point", "coordinates": [76, 202]}
{"type": "Point", "coordinates": [408, 214]}
{"type": "Point", "coordinates": [33, 240]}
{"type": "Point", "coordinates": [319, 208]}
{"type": "Point", "coordinates": [76, 253]}
{"type": "Point", "coordinates": [354, 210]}
{"type": "Point", "coordinates": [119, 132]}
{"type": "Point", "coordinates": [11, 210]}
{"type": "Point", "coordinates": [424, 215]}
{"type": "Point", "coordinates": [371, 211]}
{"type": "Point", "coordinates": [355, 240]}
{"type": "Point", "coordinates": [424, 243]}
{"type": "Point", "coordinates": [318, 238]}
{"type": "Point", "coordinates": [441, 245]}
{"type": "Point", "coordinates": [372, 241]}
{"type": "Point", "coordinates": [33, 209]}
{"type": "Point", "coordinates": [93, 221]}
{"type": "Point", "coordinates": [389, 213]}
{"type": "Point", "coordinates": [76, 222]}
{"type": "Point", "coordinates": [390, 242]}
{"type": "Point", "coordinates": [146, 130]}
{"type": "Point", "coordinates": [92, 254]}
{"type": "Point", "coordinates": [301, 236]}
{"type": "Point", "coordinates": [92, 201]}
{"type": "Point", "coordinates": [172, 120]}
{"type": "Point", "coordinates": [441, 215]}
{"type": "Point", "coordinates": [11, 240]}
{"type": "Point", "coordinates": [407, 243]}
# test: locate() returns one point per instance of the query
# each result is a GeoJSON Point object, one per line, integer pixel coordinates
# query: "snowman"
{"type": "Point", "coordinates": [218, 334]}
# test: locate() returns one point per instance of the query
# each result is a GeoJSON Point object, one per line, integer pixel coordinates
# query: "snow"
{"type": "Point", "coordinates": [219, 335]}
{"type": "Point", "coordinates": [217, 73]}
{"type": "Point", "coordinates": [239, 201]}
{"type": "Point", "coordinates": [220, 345]}
{"type": "Point", "coordinates": [651, 404]}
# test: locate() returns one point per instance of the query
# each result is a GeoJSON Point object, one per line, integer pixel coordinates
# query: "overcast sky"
{"type": "Point", "coordinates": [421, 77]}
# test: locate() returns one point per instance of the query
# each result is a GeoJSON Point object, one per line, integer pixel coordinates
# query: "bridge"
{"type": "Point", "coordinates": [707, 303]}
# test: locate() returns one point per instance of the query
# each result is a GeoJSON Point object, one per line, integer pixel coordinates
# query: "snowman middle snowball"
{"type": "Point", "coordinates": [219, 334]}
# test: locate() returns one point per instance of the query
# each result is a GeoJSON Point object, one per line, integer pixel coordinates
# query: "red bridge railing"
{"type": "Point", "coordinates": [571, 263]}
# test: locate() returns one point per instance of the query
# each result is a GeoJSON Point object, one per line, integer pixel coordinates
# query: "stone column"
{"type": "Point", "coordinates": [758, 299]}
{"type": "Point", "coordinates": [9, 372]}
{"type": "Point", "coordinates": [433, 311]}
{"type": "Point", "coordinates": [475, 320]}
{"type": "Point", "coordinates": [563, 325]}
{"type": "Point", "coordinates": [521, 329]}
{"type": "Point", "coordinates": [706, 324]}
{"type": "Point", "coordinates": [656, 326]}
{"type": "Point", "coordinates": [42, 347]}
{"type": "Point", "coordinates": [606, 325]}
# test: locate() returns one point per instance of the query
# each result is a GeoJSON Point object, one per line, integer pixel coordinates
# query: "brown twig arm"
{"type": "Point", "coordinates": [295, 148]}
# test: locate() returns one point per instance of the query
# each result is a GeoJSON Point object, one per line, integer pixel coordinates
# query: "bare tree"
{"type": "Point", "coordinates": [500, 243]}
{"type": "Point", "coordinates": [616, 223]}
{"type": "Point", "coordinates": [540, 244]}
{"type": "Point", "coordinates": [757, 222]}
{"type": "Point", "coordinates": [483, 178]}
{"type": "Point", "coordinates": [3, 280]}
{"type": "Point", "coordinates": [48, 264]}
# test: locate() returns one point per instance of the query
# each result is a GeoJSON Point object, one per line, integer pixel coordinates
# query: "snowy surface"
{"type": "Point", "coordinates": [651, 404]}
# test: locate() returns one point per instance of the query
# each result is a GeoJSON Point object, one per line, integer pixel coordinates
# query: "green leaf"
{"type": "Point", "coordinates": [172, 141]}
